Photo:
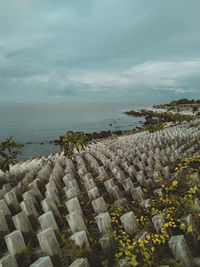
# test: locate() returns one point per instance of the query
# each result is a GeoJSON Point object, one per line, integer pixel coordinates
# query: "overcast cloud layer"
{"type": "Point", "coordinates": [99, 50]}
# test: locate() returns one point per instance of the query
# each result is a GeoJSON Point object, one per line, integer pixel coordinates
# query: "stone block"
{"type": "Point", "coordinates": [3, 225]}
{"type": "Point", "coordinates": [104, 223]}
{"type": "Point", "coordinates": [47, 220]}
{"type": "Point", "coordinates": [22, 222]}
{"type": "Point", "coordinates": [93, 193]}
{"type": "Point", "coordinates": [76, 222]}
{"type": "Point", "coordinates": [137, 194]}
{"type": "Point", "coordinates": [83, 262]}
{"type": "Point", "coordinates": [141, 178]}
{"type": "Point", "coordinates": [48, 204]}
{"type": "Point", "coordinates": [43, 262]}
{"type": "Point", "coordinates": [128, 185]}
{"type": "Point", "coordinates": [80, 239]}
{"type": "Point", "coordinates": [99, 205]}
{"type": "Point", "coordinates": [48, 242]}
{"type": "Point", "coordinates": [73, 204]}
{"type": "Point", "coordinates": [106, 245]}
{"type": "Point", "coordinates": [12, 201]}
{"type": "Point", "coordinates": [15, 242]}
{"type": "Point", "coordinates": [180, 250]}
{"type": "Point", "coordinates": [71, 192]}
{"type": "Point", "coordinates": [115, 193]}
{"type": "Point", "coordinates": [29, 194]}
{"type": "Point", "coordinates": [35, 189]}
{"type": "Point", "coordinates": [158, 221]}
{"type": "Point", "coordinates": [28, 206]}
{"type": "Point", "coordinates": [129, 222]}
{"type": "Point", "coordinates": [109, 184]}
{"type": "Point", "coordinates": [8, 261]}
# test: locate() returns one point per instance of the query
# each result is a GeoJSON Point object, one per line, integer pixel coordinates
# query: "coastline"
{"type": "Point", "coordinates": [146, 114]}
{"type": "Point", "coordinates": [136, 179]}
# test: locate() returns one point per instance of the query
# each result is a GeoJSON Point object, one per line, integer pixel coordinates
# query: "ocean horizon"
{"type": "Point", "coordinates": [31, 124]}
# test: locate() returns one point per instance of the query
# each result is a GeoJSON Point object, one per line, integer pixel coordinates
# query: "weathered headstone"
{"type": "Point", "coordinates": [8, 261]}
{"type": "Point", "coordinates": [29, 194]}
{"type": "Point", "coordinates": [137, 194]}
{"type": "Point", "coordinates": [48, 204]}
{"type": "Point", "coordinates": [48, 242]}
{"type": "Point", "coordinates": [3, 225]}
{"type": "Point", "coordinates": [43, 262]}
{"type": "Point", "coordinates": [115, 193]}
{"type": "Point", "coordinates": [180, 250]}
{"type": "Point", "coordinates": [93, 193]}
{"type": "Point", "coordinates": [15, 242]}
{"type": "Point", "coordinates": [71, 192]}
{"type": "Point", "coordinates": [76, 222]}
{"type": "Point", "coordinates": [47, 220]}
{"type": "Point", "coordinates": [73, 204]}
{"type": "Point", "coordinates": [158, 221]}
{"type": "Point", "coordinates": [34, 187]}
{"type": "Point", "coordinates": [28, 206]}
{"type": "Point", "coordinates": [129, 222]}
{"type": "Point", "coordinates": [4, 208]}
{"type": "Point", "coordinates": [106, 245]}
{"type": "Point", "coordinates": [22, 222]}
{"type": "Point", "coordinates": [104, 222]}
{"type": "Point", "coordinates": [82, 262]}
{"type": "Point", "coordinates": [11, 200]}
{"type": "Point", "coordinates": [80, 239]}
{"type": "Point", "coordinates": [99, 205]}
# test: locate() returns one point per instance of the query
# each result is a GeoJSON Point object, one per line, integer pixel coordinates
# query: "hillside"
{"type": "Point", "coordinates": [125, 201]}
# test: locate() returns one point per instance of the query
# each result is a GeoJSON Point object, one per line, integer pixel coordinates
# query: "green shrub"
{"type": "Point", "coordinates": [8, 153]}
{"type": "Point", "coordinates": [154, 127]}
{"type": "Point", "coordinates": [73, 140]}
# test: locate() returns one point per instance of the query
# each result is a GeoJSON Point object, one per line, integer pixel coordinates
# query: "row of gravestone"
{"type": "Point", "coordinates": [50, 231]}
{"type": "Point", "coordinates": [175, 241]}
{"type": "Point", "coordinates": [23, 215]}
{"type": "Point", "coordinates": [131, 227]}
{"type": "Point", "coordinates": [98, 203]}
{"type": "Point", "coordinates": [177, 244]}
{"type": "Point", "coordinates": [156, 161]}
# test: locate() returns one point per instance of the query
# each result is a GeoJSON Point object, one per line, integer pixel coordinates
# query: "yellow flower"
{"type": "Point", "coordinates": [148, 237]}
{"type": "Point", "coordinates": [189, 229]}
{"type": "Point", "coordinates": [182, 226]}
{"type": "Point", "coordinates": [175, 183]}
{"type": "Point", "coordinates": [176, 169]}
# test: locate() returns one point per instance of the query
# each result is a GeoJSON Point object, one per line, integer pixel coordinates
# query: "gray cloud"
{"type": "Point", "coordinates": [108, 49]}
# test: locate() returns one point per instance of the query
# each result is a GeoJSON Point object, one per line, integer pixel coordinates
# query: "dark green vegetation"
{"type": "Point", "coordinates": [71, 141]}
{"type": "Point", "coordinates": [167, 117]}
{"type": "Point", "coordinates": [184, 102]}
{"type": "Point", "coordinates": [154, 127]}
{"type": "Point", "coordinates": [160, 116]}
{"type": "Point", "coordinates": [8, 153]}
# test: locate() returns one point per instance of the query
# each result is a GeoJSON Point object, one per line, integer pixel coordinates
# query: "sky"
{"type": "Point", "coordinates": [99, 50]}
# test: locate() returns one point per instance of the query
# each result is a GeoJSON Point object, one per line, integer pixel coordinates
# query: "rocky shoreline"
{"type": "Point", "coordinates": [152, 116]}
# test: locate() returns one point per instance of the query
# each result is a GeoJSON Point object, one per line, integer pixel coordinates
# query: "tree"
{"type": "Point", "coordinates": [73, 140]}
{"type": "Point", "coordinates": [8, 153]}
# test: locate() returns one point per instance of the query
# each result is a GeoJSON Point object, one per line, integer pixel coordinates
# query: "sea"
{"type": "Point", "coordinates": [35, 124]}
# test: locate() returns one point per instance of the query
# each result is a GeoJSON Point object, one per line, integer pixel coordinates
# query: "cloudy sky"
{"type": "Point", "coordinates": [99, 50]}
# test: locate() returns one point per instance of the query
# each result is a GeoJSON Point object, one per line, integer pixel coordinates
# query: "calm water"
{"type": "Point", "coordinates": [38, 123]}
